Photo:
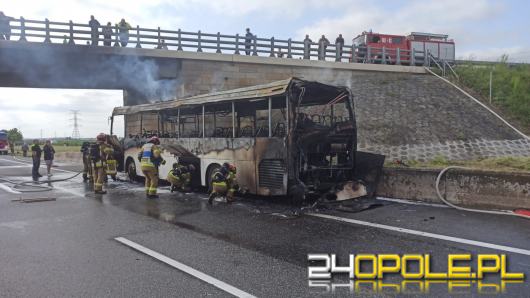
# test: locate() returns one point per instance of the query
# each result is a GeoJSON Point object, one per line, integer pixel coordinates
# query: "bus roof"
{"type": "Point", "coordinates": [252, 92]}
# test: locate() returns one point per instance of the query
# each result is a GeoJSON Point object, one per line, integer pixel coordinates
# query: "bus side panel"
{"type": "Point", "coordinates": [271, 172]}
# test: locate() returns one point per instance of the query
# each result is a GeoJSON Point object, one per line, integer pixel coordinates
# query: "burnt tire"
{"type": "Point", "coordinates": [209, 173]}
{"type": "Point", "coordinates": [131, 170]}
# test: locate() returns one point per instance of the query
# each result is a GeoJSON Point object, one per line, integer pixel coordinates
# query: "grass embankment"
{"type": "Point", "coordinates": [58, 149]}
{"type": "Point", "coordinates": [504, 164]}
{"type": "Point", "coordinates": [510, 87]}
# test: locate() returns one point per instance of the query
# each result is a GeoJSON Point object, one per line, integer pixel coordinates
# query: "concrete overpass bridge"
{"type": "Point", "coordinates": [402, 111]}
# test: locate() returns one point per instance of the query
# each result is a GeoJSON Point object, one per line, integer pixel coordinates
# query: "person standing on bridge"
{"type": "Point", "coordinates": [339, 44]}
{"type": "Point", "coordinates": [107, 34]}
{"type": "Point", "coordinates": [323, 43]}
{"type": "Point", "coordinates": [5, 27]}
{"type": "Point", "coordinates": [94, 30]}
{"type": "Point", "coordinates": [36, 153]}
{"type": "Point", "coordinates": [307, 47]}
{"type": "Point", "coordinates": [249, 37]}
{"type": "Point", "coordinates": [123, 29]}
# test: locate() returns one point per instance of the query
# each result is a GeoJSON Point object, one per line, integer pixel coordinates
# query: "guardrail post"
{"type": "Point", "coordinates": [71, 41]}
{"type": "Point", "coordinates": [218, 43]}
{"type": "Point", "coordinates": [272, 47]}
{"type": "Point", "coordinates": [255, 51]}
{"type": "Point", "coordinates": [138, 45]}
{"type": "Point", "coordinates": [47, 38]}
{"type": "Point", "coordinates": [199, 47]}
{"type": "Point", "coordinates": [289, 50]}
{"type": "Point", "coordinates": [383, 58]}
{"type": "Point", "coordinates": [22, 29]}
{"type": "Point", "coordinates": [398, 56]}
{"type": "Point", "coordinates": [158, 37]}
{"type": "Point", "coordinates": [237, 45]}
{"type": "Point", "coordinates": [412, 58]}
{"type": "Point", "coordinates": [368, 54]}
{"type": "Point", "coordinates": [116, 33]}
{"type": "Point", "coordinates": [179, 48]}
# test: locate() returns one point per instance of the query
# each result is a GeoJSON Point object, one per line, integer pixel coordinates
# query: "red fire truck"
{"type": "Point", "coordinates": [4, 145]}
{"type": "Point", "coordinates": [397, 49]}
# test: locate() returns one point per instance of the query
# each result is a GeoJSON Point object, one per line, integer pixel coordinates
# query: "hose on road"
{"type": "Point", "coordinates": [34, 186]}
{"type": "Point", "coordinates": [437, 186]}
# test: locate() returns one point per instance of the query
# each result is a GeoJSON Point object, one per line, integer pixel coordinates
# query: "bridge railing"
{"type": "Point", "coordinates": [70, 33]}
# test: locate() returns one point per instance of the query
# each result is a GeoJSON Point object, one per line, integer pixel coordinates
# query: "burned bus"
{"type": "Point", "coordinates": [291, 137]}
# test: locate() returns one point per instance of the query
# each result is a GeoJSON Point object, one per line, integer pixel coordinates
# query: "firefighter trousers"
{"type": "Point", "coordinates": [99, 178]}
{"type": "Point", "coordinates": [151, 180]}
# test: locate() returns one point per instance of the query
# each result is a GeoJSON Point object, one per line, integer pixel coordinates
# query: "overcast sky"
{"type": "Point", "coordinates": [482, 29]}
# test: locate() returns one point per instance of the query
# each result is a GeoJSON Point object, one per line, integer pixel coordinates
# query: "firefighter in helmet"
{"type": "Point", "coordinates": [150, 159]}
{"type": "Point", "coordinates": [223, 183]}
{"type": "Point", "coordinates": [111, 167]}
{"type": "Point", "coordinates": [87, 168]}
{"type": "Point", "coordinates": [98, 154]}
{"type": "Point", "coordinates": [180, 177]}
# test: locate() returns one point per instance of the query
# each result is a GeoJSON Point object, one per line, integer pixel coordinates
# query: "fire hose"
{"type": "Point", "coordinates": [500, 212]}
{"type": "Point", "coordinates": [35, 186]}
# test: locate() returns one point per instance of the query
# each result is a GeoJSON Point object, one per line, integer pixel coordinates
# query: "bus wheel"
{"type": "Point", "coordinates": [209, 173]}
{"type": "Point", "coordinates": [131, 170]}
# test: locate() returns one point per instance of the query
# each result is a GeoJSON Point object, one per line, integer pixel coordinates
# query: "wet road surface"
{"type": "Point", "coordinates": [68, 247]}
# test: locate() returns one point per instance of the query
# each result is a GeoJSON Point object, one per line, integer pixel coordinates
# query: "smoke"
{"type": "Point", "coordinates": [86, 68]}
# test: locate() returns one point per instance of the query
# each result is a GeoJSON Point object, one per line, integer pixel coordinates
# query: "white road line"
{"type": "Point", "coordinates": [412, 202]}
{"type": "Point", "coordinates": [14, 167]}
{"type": "Point", "coordinates": [9, 189]}
{"type": "Point", "coordinates": [184, 268]}
{"type": "Point", "coordinates": [42, 166]}
{"type": "Point", "coordinates": [424, 234]}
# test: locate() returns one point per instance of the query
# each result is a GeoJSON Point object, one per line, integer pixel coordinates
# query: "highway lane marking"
{"type": "Point", "coordinates": [423, 234]}
{"type": "Point", "coordinates": [25, 163]}
{"type": "Point", "coordinates": [14, 167]}
{"type": "Point", "coordinates": [412, 202]}
{"type": "Point", "coordinates": [184, 268]}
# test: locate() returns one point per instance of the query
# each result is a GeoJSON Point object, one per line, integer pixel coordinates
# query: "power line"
{"type": "Point", "coordinates": [75, 120]}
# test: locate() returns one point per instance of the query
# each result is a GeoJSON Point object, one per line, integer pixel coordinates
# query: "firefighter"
{"type": "Point", "coordinates": [98, 153]}
{"type": "Point", "coordinates": [180, 177]}
{"type": "Point", "coordinates": [111, 166]}
{"type": "Point", "coordinates": [232, 182]}
{"type": "Point", "coordinates": [87, 168]}
{"type": "Point", "coordinates": [150, 159]}
{"type": "Point", "coordinates": [223, 183]}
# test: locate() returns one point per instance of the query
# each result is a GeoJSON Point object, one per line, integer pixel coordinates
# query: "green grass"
{"type": "Point", "coordinates": [58, 149]}
{"type": "Point", "coordinates": [511, 86]}
{"type": "Point", "coordinates": [505, 164]}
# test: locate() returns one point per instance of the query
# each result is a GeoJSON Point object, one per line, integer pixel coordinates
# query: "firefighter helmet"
{"type": "Point", "coordinates": [101, 137]}
{"type": "Point", "coordinates": [154, 140]}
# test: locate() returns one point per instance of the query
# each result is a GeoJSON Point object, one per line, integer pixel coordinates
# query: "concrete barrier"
{"type": "Point", "coordinates": [467, 188]}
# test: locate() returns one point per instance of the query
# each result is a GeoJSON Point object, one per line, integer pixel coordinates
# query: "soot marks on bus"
{"type": "Point", "coordinates": [290, 137]}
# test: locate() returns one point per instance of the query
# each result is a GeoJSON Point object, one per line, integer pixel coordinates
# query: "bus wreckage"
{"type": "Point", "coordinates": [291, 138]}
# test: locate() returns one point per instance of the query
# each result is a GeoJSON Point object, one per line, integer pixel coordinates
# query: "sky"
{"type": "Point", "coordinates": [482, 30]}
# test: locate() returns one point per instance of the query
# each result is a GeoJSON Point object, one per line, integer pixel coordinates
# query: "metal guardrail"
{"type": "Point", "coordinates": [72, 33]}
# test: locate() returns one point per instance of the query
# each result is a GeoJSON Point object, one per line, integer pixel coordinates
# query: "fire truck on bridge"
{"type": "Point", "coordinates": [398, 49]}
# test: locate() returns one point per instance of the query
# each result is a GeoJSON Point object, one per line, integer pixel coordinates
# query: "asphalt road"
{"type": "Point", "coordinates": [186, 248]}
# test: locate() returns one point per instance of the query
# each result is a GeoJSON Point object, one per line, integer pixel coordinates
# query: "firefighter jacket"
{"type": "Point", "coordinates": [104, 152]}
{"type": "Point", "coordinates": [150, 156]}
